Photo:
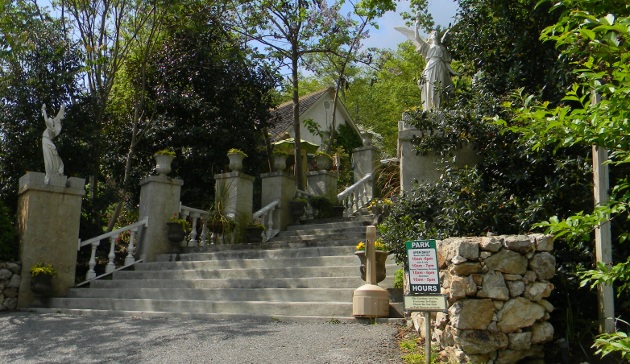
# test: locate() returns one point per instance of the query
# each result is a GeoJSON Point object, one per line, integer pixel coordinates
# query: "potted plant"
{"type": "Point", "coordinates": [380, 208]}
{"type": "Point", "coordinates": [323, 206]}
{"type": "Point", "coordinates": [41, 278]}
{"type": "Point", "coordinates": [177, 229]}
{"type": "Point", "coordinates": [279, 160]}
{"type": "Point", "coordinates": [236, 157]}
{"type": "Point", "coordinates": [296, 207]}
{"type": "Point", "coordinates": [380, 253]}
{"type": "Point", "coordinates": [163, 159]}
{"type": "Point", "coordinates": [323, 160]}
{"type": "Point", "coordinates": [254, 232]}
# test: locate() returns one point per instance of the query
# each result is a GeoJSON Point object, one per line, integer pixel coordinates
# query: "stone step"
{"type": "Point", "coordinates": [248, 273]}
{"type": "Point", "coordinates": [261, 252]}
{"type": "Point", "coordinates": [321, 261]}
{"type": "Point", "coordinates": [353, 281]}
{"type": "Point", "coordinates": [253, 308]}
{"type": "Point", "coordinates": [221, 294]}
{"type": "Point", "coordinates": [351, 224]}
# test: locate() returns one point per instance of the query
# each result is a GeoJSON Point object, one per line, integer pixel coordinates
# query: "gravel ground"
{"type": "Point", "coordinates": [58, 338]}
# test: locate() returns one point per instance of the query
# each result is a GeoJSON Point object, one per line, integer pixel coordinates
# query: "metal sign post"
{"type": "Point", "coordinates": [424, 285]}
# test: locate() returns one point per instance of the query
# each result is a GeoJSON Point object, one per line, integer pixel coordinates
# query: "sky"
{"type": "Point", "coordinates": [443, 12]}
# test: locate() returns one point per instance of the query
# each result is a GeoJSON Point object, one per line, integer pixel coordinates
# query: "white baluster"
{"type": "Point", "coordinates": [204, 232]}
{"type": "Point", "coordinates": [91, 274]}
{"type": "Point", "coordinates": [112, 246]}
{"type": "Point", "coordinates": [193, 233]}
{"type": "Point", "coordinates": [129, 259]}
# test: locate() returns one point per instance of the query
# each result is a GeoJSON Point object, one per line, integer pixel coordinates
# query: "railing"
{"type": "Point", "coordinates": [265, 215]}
{"type": "Point", "coordinates": [198, 217]}
{"type": "Point", "coordinates": [309, 212]}
{"type": "Point", "coordinates": [112, 236]}
{"type": "Point", "coordinates": [356, 196]}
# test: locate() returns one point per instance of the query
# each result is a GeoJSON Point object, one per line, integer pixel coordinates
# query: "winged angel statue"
{"type": "Point", "coordinates": [436, 76]}
{"type": "Point", "coordinates": [52, 160]}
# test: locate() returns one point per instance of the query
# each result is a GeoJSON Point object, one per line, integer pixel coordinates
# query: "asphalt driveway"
{"type": "Point", "coordinates": [28, 337]}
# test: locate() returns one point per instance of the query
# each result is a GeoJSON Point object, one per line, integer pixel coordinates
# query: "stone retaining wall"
{"type": "Point", "coordinates": [496, 288]}
{"type": "Point", "coordinates": [9, 284]}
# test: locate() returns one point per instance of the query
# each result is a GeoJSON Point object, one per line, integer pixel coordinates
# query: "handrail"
{"type": "Point", "coordinates": [356, 196]}
{"type": "Point", "coordinates": [144, 222]}
{"type": "Point", "coordinates": [264, 210]}
{"type": "Point", "coordinates": [265, 215]}
{"type": "Point", "coordinates": [196, 215]}
{"type": "Point", "coordinates": [354, 186]}
{"type": "Point", "coordinates": [112, 236]}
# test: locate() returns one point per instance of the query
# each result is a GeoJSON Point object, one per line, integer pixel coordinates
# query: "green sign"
{"type": "Point", "coordinates": [424, 275]}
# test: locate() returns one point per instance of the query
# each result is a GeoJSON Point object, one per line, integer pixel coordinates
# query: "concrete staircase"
{"type": "Point", "coordinates": [306, 273]}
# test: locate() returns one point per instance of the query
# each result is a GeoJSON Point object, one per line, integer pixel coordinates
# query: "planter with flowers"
{"type": "Point", "coordinates": [177, 231]}
{"type": "Point", "coordinates": [279, 160]}
{"type": "Point", "coordinates": [163, 160]}
{"type": "Point", "coordinates": [236, 157]}
{"type": "Point", "coordinates": [380, 252]}
{"type": "Point", "coordinates": [255, 232]}
{"type": "Point", "coordinates": [380, 208]}
{"type": "Point", "coordinates": [41, 280]}
{"type": "Point", "coordinates": [323, 160]}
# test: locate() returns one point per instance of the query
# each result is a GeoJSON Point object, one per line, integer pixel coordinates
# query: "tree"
{"type": "Point", "coordinates": [36, 67]}
{"type": "Point", "coordinates": [206, 94]}
{"type": "Point", "coordinates": [595, 37]}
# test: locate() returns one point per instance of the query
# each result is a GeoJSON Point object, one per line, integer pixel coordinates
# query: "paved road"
{"type": "Point", "coordinates": [27, 337]}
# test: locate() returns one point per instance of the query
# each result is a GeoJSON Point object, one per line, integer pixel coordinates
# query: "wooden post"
{"type": "Point", "coordinates": [603, 251]}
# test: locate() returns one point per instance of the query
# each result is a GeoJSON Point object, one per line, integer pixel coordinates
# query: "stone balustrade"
{"type": "Point", "coordinates": [9, 284]}
{"type": "Point", "coordinates": [496, 288]}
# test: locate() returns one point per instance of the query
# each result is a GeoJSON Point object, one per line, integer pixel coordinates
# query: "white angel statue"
{"type": "Point", "coordinates": [436, 76]}
{"type": "Point", "coordinates": [52, 161]}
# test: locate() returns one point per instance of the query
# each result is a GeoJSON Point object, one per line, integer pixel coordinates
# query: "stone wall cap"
{"type": "Point", "coordinates": [277, 174]}
{"type": "Point", "coordinates": [161, 179]}
{"type": "Point", "coordinates": [58, 184]}
{"type": "Point", "coordinates": [317, 173]}
{"type": "Point", "coordinates": [234, 174]}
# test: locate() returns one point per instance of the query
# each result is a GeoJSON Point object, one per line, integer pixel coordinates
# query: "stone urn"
{"type": "Point", "coordinates": [323, 162]}
{"type": "Point", "coordinates": [236, 161]}
{"type": "Point", "coordinates": [366, 138]}
{"type": "Point", "coordinates": [296, 208]}
{"type": "Point", "coordinates": [41, 286]}
{"type": "Point", "coordinates": [279, 162]}
{"type": "Point", "coordinates": [175, 235]}
{"type": "Point", "coordinates": [163, 163]}
{"type": "Point", "coordinates": [254, 234]}
{"type": "Point", "coordinates": [381, 257]}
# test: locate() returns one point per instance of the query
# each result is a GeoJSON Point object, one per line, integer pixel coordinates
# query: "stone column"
{"type": "Point", "coordinates": [159, 200]}
{"type": "Point", "coordinates": [425, 168]}
{"type": "Point", "coordinates": [48, 226]}
{"type": "Point", "coordinates": [279, 186]}
{"type": "Point", "coordinates": [235, 190]}
{"type": "Point", "coordinates": [365, 160]}
{"type": "Point", "coordinates": [323, 183]}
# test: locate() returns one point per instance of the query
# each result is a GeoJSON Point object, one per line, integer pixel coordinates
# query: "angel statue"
{"type": "Point", "coordinates": [52, 161]}
{"type": "Point", "coordinates": [436, 76]}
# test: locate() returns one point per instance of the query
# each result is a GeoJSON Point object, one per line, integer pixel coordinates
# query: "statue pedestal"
{"type": "Point", "coordinates": [48, 225]}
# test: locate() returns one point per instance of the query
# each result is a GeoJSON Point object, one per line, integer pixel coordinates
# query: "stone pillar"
{"type": "Point", "coordinates": [159, 200]}
{"type": "Point", "coordinates": [235, 190]}
{"type": "Point", "coordinates": [48, 225]}
{"type": "Point", "coordinates": [279, 186]}
{"type": "Point", "coordinates": [323, 183]}
{"type": "Point", "coordinates": [416, 168]}
{"type": "Point", "coordinates": [365, 160]}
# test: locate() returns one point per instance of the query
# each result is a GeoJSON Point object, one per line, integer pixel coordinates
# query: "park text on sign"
{"type": "Point", "coordinates": [423, 267]}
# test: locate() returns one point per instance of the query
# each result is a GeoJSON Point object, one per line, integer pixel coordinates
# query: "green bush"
{"type": "Point", "coordinates": [8, 237]}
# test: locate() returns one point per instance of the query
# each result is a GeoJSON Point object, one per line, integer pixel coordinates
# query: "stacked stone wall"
{"type": "Point", "coordinates": [496, 288]}
{"type": "Point", "coordinates": [9, 284]}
